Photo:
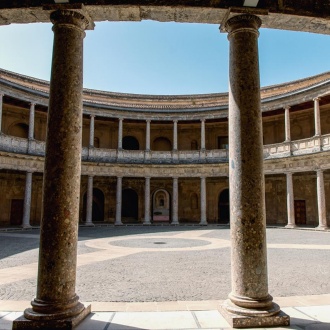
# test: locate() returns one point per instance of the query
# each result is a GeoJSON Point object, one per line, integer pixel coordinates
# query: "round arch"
{"type": "Point", "coordinates": [130, 143]}
{"type": "Point", "coordinates": [161, 206]}
{"type": "Point", "coordinates": [162, 144]}
{"type": "Point", "coordinates": [20, 130]}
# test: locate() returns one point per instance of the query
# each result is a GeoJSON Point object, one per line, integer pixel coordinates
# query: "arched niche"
{"type": "Point", "coordinates": [162, 144]}
{"type": "Point", "coordinates": [130, 143]}
{"type": "Point", "coordinates": [161, 206]}
{"type": "Point", "coordinates": [20, 130]}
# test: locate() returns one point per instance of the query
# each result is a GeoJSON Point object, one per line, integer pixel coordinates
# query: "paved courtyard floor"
{"type": "Point", "coordinates": [164, 277]}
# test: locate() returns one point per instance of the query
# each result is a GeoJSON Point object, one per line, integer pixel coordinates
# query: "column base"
{"type": "Point", "coordinates": [253, 318]}
{"type": "Point", "coordinates": [26, 226]}
{"type": "Point", "coordinates": [43, 321]}
{"type": "Point", "coordinates": [322, 227]}
{"type": "Point", "coordinates": [203, 223]}
{"type": "Point", "coordinates": [290, 226]}
{"type": "Point", "coordinates": [119, 224]}
{"type": "Point", "coordinates": [176, 223]}
{"type": "Point", "coordinates": [89, 224]}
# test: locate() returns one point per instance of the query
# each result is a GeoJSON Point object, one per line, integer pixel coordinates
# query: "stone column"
{"type": "Point", "coordinates": [321, 205]}
{"type": "Point", "coordinates": [317, 118]}
{"type": "Point", "coordinates": [202, 134]}
{"type": "Point", "coordinates": [203, 202]}
{"type": "Point", "coordinates": [31, 121]}
{"type": "Point", "coordinates": [89, 201]}
{"type": "Point", "coordinates": [27, 201]}
{"type": "Point", "coordinates": [147, 202]}
{"type": "Point", "coordinates": [290, 201]}
{"type": "Point", "coordinates": [1, 105]}
{"type": "Point", "coordinates": [118, 221]}
{"type": "Point", "coordinates": [148, 135]}
{"type": "Point", "coordinates": [287, 124]}
{"type": "Point", "coordinates": [120, 134]}
{"type": "Point", "coordinates": [175, 135]}
{"type": "Point", "coordinates": [91, 131]}
{"type": "Point", "coordinates": [56, 304]}
{"type": "Point", "coordinates": [175, 202]}
{"type": "Point", "coordinates": [249, 303]}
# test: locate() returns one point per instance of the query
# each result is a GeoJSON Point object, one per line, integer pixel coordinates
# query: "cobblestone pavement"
{"type": "Point", "coordinates": [131, 264]}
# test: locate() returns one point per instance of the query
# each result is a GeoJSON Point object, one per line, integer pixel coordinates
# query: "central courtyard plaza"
{"type": "Point", "coordinates": [165, 277]}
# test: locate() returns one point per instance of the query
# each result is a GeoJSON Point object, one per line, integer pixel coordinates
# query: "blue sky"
{"type": "Point", "coordinates": [164, 58]}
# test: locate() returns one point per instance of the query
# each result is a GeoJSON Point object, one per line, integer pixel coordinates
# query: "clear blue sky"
{"type": "Point", "coordinates": [163, 58]}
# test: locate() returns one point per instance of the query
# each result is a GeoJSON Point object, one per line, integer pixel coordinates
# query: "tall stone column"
{"type": "Point", "coordinates": [89, 201]}
{"type": "Point", "coordinates": [91, 131]}
{"type": "Point", "coordinates": [118, 221]}
{"type": "Point", "coordinates": [175, 202]}
{"type": "Point", "coordinates": [249, 303]}
{"type": "Point", "coordinates": [31, 121]}
{"type": "Point", "coordinates": [27, 201]}
{"type": "Point", "coordinates": [321, 206]}
{"type": "Point", "coordinates": [147, 202]}
{"type": "Point", "coordinates": [56, 304]}
{"type": "Point", "coordinates": [175, 135]}
{"type": "Point", "coordinates": [317, 118]}
{"type": "Point", "coordinates": [148, 135]}
{"type": "Point", "coordinates": [1, 106]}
{"type": "Point", "coordinates": [203, 202]}
{"type": "Point", "coordinates": [202, 134]}
{"type": "Point", "coordinates": [290, 201]}
{"type": "Point", "coordinates": [120, 134]}
{"type": "Point", "coordinates": [287, 124]}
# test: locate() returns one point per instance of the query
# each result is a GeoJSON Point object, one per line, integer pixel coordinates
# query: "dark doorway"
{"type": "Point", "coordinates": [300, 212]}
{"type": "Point", "coordinates": [223, 207]}
{"type": "Point", "coordinates": [16, 212]}
{"type": "Point", "coordinates": [98, 206]}
{"type": "Point", "coordinates": [130, 143]}
{"type": "Point", "coordinates": [130, 206]}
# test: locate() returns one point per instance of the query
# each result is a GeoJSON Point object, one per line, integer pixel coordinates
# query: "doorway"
{"type": "Point", "coordinates": [223, 207]}
{"type": "Point", "coordinates": [129, 206]}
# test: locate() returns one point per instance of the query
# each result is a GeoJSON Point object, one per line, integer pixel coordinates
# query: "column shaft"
{"type": "Point", "coordinates": [27, 200]}
{"type": "Point", "coordinates": [120, 134]}
{"type": "Point", "coordinates": [175, 135]}
{"type": "Point", "coordinates": [321, 205]}
{"type": "Point", "coordinates": [175, 202]}
{"type": "Point", "coordinates": [203, 202]}
{"type": "Point", "coordinates": [31, 122]}
{"type": "Point", "coordinates": [287, 124]}
{"type": "Point", "coordinates": [147, 202]}
{"type": "Point", "coordinates": [203, 134]}
{"type": "Point", "coordinates": [317, 118]}
{"type": "Point", "coordinates": [148, 135]}
{"type": "Point", "coordinates": [91, 131]}
{"type": "Point", "coordinates": [89, 201]}
{"type": "Point", "coordinates": [290, 201]}
{"type": "Point", "coordinates": [1, 106]}
{"type": "Point", "coordinates": [118, 201]}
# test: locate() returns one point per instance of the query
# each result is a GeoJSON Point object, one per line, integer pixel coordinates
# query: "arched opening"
{"type": "Point", "coordinates": [130, 143]}
{"type": "Point", "coordinates": [161, 206]}
{"type": "Point", "coordinates": [98, 206]}
{"type": "Point", "coordinates": [129, 206]}
{"type": "Point", "coordinates": [194, 145]}
{"type": "Point", "coordinates": [20, 130]}
{"type": "Point", "coordinates": [162, 144]}
{"type": "Point", "coordinates": [223, 207]}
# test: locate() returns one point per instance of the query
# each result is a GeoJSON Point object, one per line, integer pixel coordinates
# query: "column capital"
{"type": "Point", "coordinates": [316, 98]}
{"type": "Point", "coordinates": [203, 120]}
{"type": "Point", "coordinates": [243, 21]}
{"type": "Point", "coordinates": [120, 119]}
{"type": "Point", "coordinates": [2, 94]}
{"type": "Point", "coordinates": [175, 120]}
{"type": "Point", "coordinates": [148, 120]}
{"type": "Point", "coordinates": [319, 170]}
{"type": "Point", "coordinates": [287, 107]}
{"type": "Point", "coordinates": [32, 104]}
{"type": "Point", "coordinates": [92, 116]}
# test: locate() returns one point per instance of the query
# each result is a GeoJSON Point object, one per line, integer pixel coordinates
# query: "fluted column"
{"type": "Point", "coordinates": [147, 202]}
{"type": "Point", "coordinates": [56, 303]}
{"type": "Point", "coordinates": [249, 303]}
{"type": "Point", "coordinates": [203, 134]}
{"type": "Point", "coordinates": [203, 202]}
{"type": "Point", "coordinates": [118, 221]}
{"type": "Point", "coordinates": [148, 135]}
{"type": "Point", "coordinates": [175, 202]}
{"type": "Point", "coordinates": [287, 124]}
{"type": "Point", "coordinates": [27, 201]}
{"type": "Point", "coordinates": [321, 206]}
{"type": "Point", "coordinates": [1, 106]}
{"type": "Point", "coordinates": [290, 201]}
{"type": "Point", "coordinates": [317, 118]}
{"type": "Point", "coordinates": [31, 121]}
{"type": "Point", "coordinates": [120, 134]}
{"type": "Point", "coordinates": [91, 131]}
{"type": "Point", "coordinates": [89, 201]}
{"type": "Point", "coordinates": [175, 135]}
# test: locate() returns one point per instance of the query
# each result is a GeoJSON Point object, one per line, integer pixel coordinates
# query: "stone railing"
{"type": "Point", "coordinates": [279, 150]}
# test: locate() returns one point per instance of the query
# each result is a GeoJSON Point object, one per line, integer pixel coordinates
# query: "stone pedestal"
{"type": "Point", "coordinates": [249, 303]}
{"type": "Point", "coordinates": [56, 305]}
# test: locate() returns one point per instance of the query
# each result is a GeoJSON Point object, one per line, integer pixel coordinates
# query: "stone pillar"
{"type": "Point", "coordinates": [287, 124]}
{"type": "Point", "coordinates": [249, 303]}
{"type": "Point", "coordinates": [317, 118]}
{"type": "Point", "coordinates": [91, 131]}
{"type": "Point", "coordinates": [89, 201]}
{"type": "Point", "coordinates": [321, 205]}
{"type": "Point", "coordinates": [120, 134]}
{"type": "Point", "coordinates": [202, 134]}
{"type": "Point", "coordinates": [290, 201]}
{"type": "Point", "coordinates": [148, 135]}
{"type": "Point", "coordinates": [27, 201]}
{"type": "Point", "coordinates": [175, 135]}
{"type": "Point", "coordinates": [31, 121]}
{"type": "Point", "coordinates": [147, 202]}
{"type": "Point", "coordinates": [56, 304]}
{"type": "Point", "coordinates": [1, 105]}
{"type": "Point", "coordinates": [118, 201]}
{"type": "Point", "coordinates": [203, 202]}
{"type": "Point", "coordinates": [175, 202]}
